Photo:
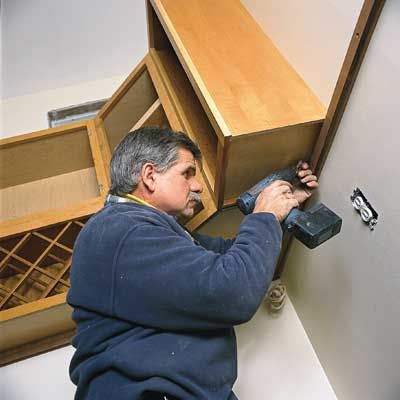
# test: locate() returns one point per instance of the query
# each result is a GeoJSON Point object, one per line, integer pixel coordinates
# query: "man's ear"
{"type": "Point", "coordinates": [148, 175]}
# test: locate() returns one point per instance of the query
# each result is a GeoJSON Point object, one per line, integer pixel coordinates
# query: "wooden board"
{"type": "Point", "coordinates": [30, 322]}
{"type": "Point", "coordinates": [30, 222]}
{"type": "Point", "coordinates": [234, 67]}
{"type": "Point", "coordinates": [48, 193]}
{"type": "Point", "coordinates": [43, 157]}
{"type": "Point", "coordinates": [154, 116]}
{"type": "Point", "coordinates": [36, 347]}
{"type": "Point", "coordinates": [132, 103]}
{"type": "Point", "coordinates": [252, 157]}
{"type": "Point", "coordinates": [158, 40]}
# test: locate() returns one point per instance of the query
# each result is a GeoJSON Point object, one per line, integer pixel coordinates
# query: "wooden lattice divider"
{"type": "Point", "coordinates": [36, 264]}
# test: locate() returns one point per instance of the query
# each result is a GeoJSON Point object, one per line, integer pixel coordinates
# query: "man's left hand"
{"type": "Point", "coordinates": [301, 194]}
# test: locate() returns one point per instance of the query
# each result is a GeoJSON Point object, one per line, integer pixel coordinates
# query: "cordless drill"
{"type": "Point", "coordinates": [312, 227]}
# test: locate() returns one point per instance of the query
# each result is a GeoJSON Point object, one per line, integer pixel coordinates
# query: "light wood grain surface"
{"type": "Point", "coordinates": [30, 222]}
{"type": "Point", "coordinates": [44, 157]}
{"type": "Point", "coordinates": [46, 194]}
{"type": "Point", "coordinates": [154, 116]}
{"type": "Point", "coordinates": [40, 317]}
{"type": "Point", "coordinates": [251, 158]}
{"type": "Point", "coordinates": [243, 74]}
{"type": "Point", "coordinates": [132, 102]}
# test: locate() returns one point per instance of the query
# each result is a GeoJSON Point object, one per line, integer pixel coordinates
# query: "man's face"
{"type": "Point", "coordinates": [175, 187]}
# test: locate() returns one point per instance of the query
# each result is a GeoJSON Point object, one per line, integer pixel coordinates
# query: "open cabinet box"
{"type": "Point", "coordinates": [51, 182]}
{"type": "Point", "coordinates": [47, 170]}
{"type": "Point", "coordinates": [247, 108]}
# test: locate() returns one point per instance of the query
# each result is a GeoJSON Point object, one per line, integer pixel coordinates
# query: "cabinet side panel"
{"type": "Point", "coordinates": [252, 157]}
{"type": "Point", "coordinates": [129, 109]}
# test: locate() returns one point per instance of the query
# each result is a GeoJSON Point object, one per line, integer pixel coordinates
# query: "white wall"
{"type": "Point", "coordinates": [42, 377]}
{"type": "Point", "coordinates": [28, 113]}
{"type": "Point", "coordinates": [347, 293]}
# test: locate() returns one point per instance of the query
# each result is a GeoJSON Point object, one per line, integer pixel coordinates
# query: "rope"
{"type": "Point", "coordinates": [276, 298]}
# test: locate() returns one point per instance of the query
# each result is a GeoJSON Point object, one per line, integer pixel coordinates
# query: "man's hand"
{"type": "Point", "coordinates": [277, 199]}
{"type": "Point", "coordinates": [308, 179]}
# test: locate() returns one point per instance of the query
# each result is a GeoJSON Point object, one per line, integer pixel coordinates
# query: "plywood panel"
{"type": "Point", "coordinates": [252, 157]}
{"type": "Point", "coordinates": [234, 67]}
{"type": "Point", "coordinates": [41, 317]}
{"type": "Point", "coordinates": [134, 101]}
{"type": "Point", "coordinates": [43, 156]}
{"type": "Point", "coordinates": [35, 221]}
{"type": "Point", "coordinates": [49, 193]}
{"type": "Point", "coordinates": [154, 116]}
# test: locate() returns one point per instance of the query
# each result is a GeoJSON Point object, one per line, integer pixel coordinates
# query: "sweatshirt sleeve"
{"type": "Point", "coordinates": [217, 244]}
{"type": "Point", "coordinates": [164, 281]}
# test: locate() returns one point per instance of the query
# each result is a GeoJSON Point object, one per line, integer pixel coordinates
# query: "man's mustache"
{"type": "Point", "coordinates": [195, 196]}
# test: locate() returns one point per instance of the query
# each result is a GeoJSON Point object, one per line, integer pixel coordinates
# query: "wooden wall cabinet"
{"type": "Point", "coordinates": [246, 107]}
{"type": "Point", "coordinates": [51, 182]}
{"type": "Point", "coordinates": [210, 72]}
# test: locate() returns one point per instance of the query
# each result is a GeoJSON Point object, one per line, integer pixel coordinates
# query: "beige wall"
{"type": "Point", "coordinates": [313, 35]}
{"type": "Point", "coordinates": [347, 291]}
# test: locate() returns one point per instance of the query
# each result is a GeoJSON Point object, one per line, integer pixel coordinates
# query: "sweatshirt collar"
{"type": "Point", "coordinates": [137, 200]}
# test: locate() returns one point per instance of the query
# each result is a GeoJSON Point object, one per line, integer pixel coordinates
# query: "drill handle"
{"type": "Point", "coordinates": [289, 221]}
{"type": "Point", "coordinates": [247, 201]}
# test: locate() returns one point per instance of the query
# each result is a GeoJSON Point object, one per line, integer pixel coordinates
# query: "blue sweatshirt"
{"type": "Point", "coordinates": [155, 310]}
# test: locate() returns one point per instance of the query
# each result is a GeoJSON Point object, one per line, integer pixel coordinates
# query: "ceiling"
{"type": "Point", "coordinates": [47, 44]}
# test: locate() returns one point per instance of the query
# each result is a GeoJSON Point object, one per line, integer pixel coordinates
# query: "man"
{"type": "Point", "coordinates": [154, 306]}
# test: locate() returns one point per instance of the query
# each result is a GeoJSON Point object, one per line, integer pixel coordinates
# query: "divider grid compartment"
{"type": "Point", "coordinates": [35, 264]}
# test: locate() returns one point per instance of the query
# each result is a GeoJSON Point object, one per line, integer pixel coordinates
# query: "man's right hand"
{"type": "Point", "coordinates": [277, 199]}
